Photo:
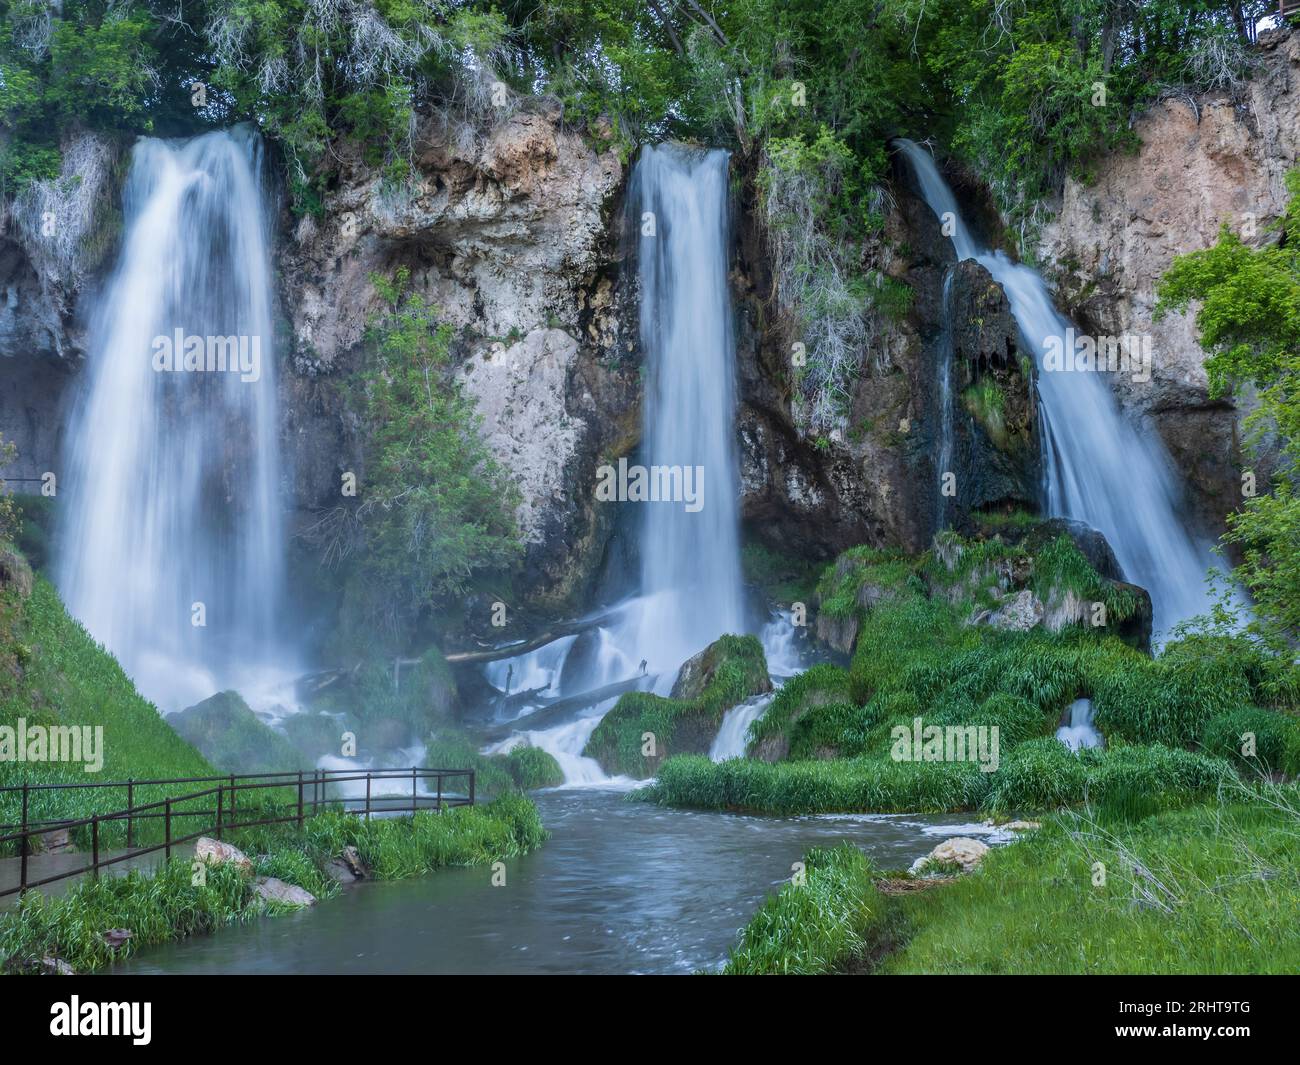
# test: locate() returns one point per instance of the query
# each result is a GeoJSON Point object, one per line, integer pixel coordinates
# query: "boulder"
{"type": "Point", "coordinates": [960, 850]}
{"type": "Point", "coordinates": [270, 889]}
{"type": "Point", "coordinates": [233, 738]}
{"type": "Point", "coordinates": [215, 852]}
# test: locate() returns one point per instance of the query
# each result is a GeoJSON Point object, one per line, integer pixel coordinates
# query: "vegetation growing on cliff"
{"type": "Point", "coordinates": [1248, 319]}
{"type": "Point", "coordinates": [826, 742]}
{"type": "Point", "coordinates": [434, 509]}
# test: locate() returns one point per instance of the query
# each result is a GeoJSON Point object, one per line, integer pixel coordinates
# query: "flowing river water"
{"type": "Point", "coordinates": [620, 887]}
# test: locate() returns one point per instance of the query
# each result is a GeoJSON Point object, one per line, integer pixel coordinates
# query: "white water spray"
{"type": "Point", "coordinates": [1080, 732]}
{"type": "Point", "coordinates": [733, 735]}
{"type": "Point", "coordinates": [1098, 468]}
{"type": "Point", "coordinates": [171, 551]}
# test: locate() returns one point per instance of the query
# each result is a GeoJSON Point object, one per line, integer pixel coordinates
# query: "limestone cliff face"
{"type": "Point", "coordinates": [511, 240]}
{"type": "Point", "coordinates": [1203, 163]}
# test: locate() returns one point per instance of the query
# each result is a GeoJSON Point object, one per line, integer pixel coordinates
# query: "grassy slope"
{"type": "Point", "coordinates": [1203, 890]}
{"type": "Point", "coordinates": [52, 671]}
{"type": "Point", "coordinates": [1210, 889]}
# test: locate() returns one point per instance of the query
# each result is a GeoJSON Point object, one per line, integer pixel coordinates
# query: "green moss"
{"type": "Point", "coordinates": [642, 729]}
{"type": "Point", "coordinates": [532, 768]}
{"type": "Point", "coordinates": [234, 739]}
{"type": "Point", "coordinates": [987, 404]}
{"type": "Point", "coordinates": [817, 686]}
{"type": "Point", "coordinates": [784, 579]}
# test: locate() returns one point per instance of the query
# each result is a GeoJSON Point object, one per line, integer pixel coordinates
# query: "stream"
{"type": "Point", "coordinates": [620, 887]}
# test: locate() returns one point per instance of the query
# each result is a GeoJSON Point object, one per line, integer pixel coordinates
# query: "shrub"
{"type": "Point", "coordinates": [1276, 739]}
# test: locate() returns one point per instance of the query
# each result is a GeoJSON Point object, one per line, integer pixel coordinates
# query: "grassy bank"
{"type": "Point", "coordinates": [927, 647]}
{"type": "Point", "coordinates": [819, 925]}
{"type": "Point", "coordinates": [168, 905]}
{"type": "Point", "coordinates": [53, 673]}
{"type": "Point", "coordinates": [1207, 889]}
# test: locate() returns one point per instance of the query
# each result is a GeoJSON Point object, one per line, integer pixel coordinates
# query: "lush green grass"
{"type": "Point", "coordinates": [523, 768]}
{"type": "Point", "coordinates": [814, 927]}
{"type": "Point", "coordinates": [733, 669]}
{"type": "Point", "coordinates": [1201, 890]}
{"type": "Point", "coordinates": [1039, 775]}
{"type": "Point", "coordinates": [167, 905]}
{"type": "Point", "coordinates": [842, 785]}
{"type": "Point", "coordinates": [52, 672]}
{"type": "Point", "coordinates": [1276, 739]}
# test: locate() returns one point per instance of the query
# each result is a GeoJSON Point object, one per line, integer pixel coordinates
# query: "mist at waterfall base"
{"type": "Point", "coordinates": [1097, 468]}
{"type": "Point", "coordinates": [173, 512]}
{"type": "Point", "coordinates": [690, 590]}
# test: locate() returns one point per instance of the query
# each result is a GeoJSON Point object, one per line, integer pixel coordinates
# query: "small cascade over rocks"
{"type": "Point", "coordinates": [171, 548]}
{"type": "Point", "coordinates": [733, 735]}
{"type": "Point", "coordinates": [1080, 732]}
{"type": "Point", "coordinates": [1098, 468]}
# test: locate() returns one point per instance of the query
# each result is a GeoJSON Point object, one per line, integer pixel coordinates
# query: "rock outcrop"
{"type": "Point", "coordinates": [1204, 162]}
{"type": "Point", "coordinates": [513, 241]}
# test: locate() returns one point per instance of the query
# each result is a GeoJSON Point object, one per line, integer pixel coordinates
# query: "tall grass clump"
{"type": "Point", "coordinates": [818, 926]}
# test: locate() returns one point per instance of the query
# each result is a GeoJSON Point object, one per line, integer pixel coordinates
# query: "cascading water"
{"type": "Point", "coordinates": [1098, 469]}
{"type": "Point", "coordinates": [690, 562]}
{"type": "Point", "coordinates": [171, 549]}
{"type": "Point", "coordinates": [946, 432]}
{"type": "Point", "coordinates": [691, 590]}
{"type": "Point", "coordinates": [733, 734]}
{"type": "Point", "coordinates": [1080, 732]}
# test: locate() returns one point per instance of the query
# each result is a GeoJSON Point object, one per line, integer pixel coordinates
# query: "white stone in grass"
{"type": "Point", "coordinates": [960, 850]}
{"type": "Point", "coordinates": [214, 852]}
{"type": "Point", "coordinates": [270, 889]}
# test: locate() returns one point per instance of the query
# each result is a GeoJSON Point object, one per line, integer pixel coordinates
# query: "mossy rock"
{"type": "Point", "coordinates": [233, 738]}
{"type": "Point", "coordinates": [822, 686]}
{"type": "Point", "coordinates": [729, 671]}
{"type": "Point", "coordinates": [532, 768]}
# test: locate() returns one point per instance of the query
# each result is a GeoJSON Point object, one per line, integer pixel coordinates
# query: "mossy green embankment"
{"type": "Point", "coordinates": [936, 639]}
{"type": "Point", "coordinates": [643, 729]}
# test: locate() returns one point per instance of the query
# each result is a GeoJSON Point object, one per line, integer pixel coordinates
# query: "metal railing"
{"type": "Point", "coordinates": [306, 792]}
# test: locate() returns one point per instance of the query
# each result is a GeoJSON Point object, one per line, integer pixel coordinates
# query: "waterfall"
{"type": "Point", "coordinates": [946, 432]}
{"type": "Point", "coordinates": [1080, 732]}
{"type": "Point", "coordinates": [733, 734]}
{"type": "Point", "coordinates": [1098, 468]}
{"type": "Point", "coordinates": [172, 539]}
{"type": "Point", "coordinates": [690, 562]}
{"type": "Point", "coordinates": [691, 591]}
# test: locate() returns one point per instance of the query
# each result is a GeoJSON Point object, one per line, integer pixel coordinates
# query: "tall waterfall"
{"type": "Point", "coordinates": [171, 547]}
{"type": "Point", "coordinates": [1098, 468]}
{"type": "Point", "coordinates": [691, 591]}
{"type": "Point", "coordinates": [690, 562]}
